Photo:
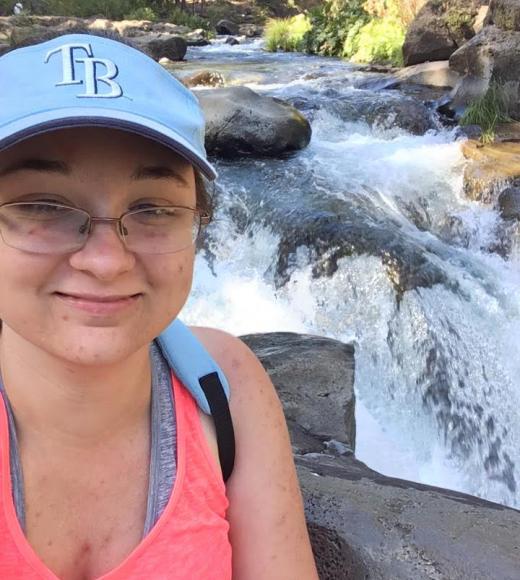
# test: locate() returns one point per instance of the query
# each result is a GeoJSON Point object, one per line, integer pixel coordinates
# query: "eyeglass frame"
{"type": "Point", "coordinates": [204, 220]}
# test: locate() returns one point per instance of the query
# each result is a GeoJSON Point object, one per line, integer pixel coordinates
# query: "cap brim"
{"type": "Point", "coordinates": [48, 121]}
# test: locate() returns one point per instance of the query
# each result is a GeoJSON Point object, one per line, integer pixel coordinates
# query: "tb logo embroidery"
{"type": "Point", "coordinates": [92, 82]}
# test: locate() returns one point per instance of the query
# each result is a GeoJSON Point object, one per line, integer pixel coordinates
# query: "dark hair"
{"type": "Point", "coordinates": [204, 198]}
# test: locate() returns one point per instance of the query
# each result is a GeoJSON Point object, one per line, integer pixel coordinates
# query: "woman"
{"type": "Point", "coordinates": [92, 485]}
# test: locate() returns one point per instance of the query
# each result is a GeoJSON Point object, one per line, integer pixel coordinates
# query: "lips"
{"type": "Point", "coordinates": [97, 297]}
{"type": "Point", "coordinates": [98, 305]}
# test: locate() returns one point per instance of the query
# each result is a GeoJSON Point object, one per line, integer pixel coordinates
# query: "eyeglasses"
{"type": "Point", "coordinates": [54, 228]}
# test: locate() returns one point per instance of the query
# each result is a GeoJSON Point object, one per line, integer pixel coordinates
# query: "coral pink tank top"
{"type": "Point", "coordinates": [190, 539]}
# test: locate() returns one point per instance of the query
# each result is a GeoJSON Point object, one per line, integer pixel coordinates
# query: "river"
{"type": "Point", "coordinates": [410, 274]}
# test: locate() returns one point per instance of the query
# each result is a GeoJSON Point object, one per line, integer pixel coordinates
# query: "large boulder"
{"type": "Point", "coordinates": [505, 14]}
{"type": "Point", "coordinates": [241, 122]}
{"type": "Point", "coordinates": [162, 46]}
{"type": "Point", "coordinates": [440, 27]}
{"type": "Point", "coordinates": [314, 377]}
{"type": "Point", "coordinates": [226, 27]}
{"type": "Point", "coordinates": [493, 56]}
{"type": "Point", "coordinates": [365, 525]}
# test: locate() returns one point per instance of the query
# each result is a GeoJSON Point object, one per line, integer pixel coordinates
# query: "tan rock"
{"type": "Point", "coordinates": [490, 167]}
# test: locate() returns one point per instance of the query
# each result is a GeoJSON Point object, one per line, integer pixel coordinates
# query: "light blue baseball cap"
{"type": "Point", "coordinates": [80, 80]}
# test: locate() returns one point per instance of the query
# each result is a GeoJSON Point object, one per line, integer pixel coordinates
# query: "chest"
{"type": "Point", "coordinates": [84, 516]}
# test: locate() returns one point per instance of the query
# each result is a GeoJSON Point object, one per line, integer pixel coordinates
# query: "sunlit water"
{"type": "Point", "coordinates": [437, 364]}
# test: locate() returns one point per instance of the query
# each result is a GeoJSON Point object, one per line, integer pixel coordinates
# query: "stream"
{"type": "Point", "coordinates": [366, 236]}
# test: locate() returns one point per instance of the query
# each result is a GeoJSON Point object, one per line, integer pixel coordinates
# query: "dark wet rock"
{"type": "Point", "coordinates": [333, 229]}
{"type": "Point", "coordinates": [226, 27]}
{"type": "Point", "coordinates": [206, 78]}
{"type": "Point", "coordinates": [440, 27]}
{"type": "Point", "coordinates": [241, 122]}
{"type": "Point", "coordinates": [505, 14]}
{"type": "Point", "coordinates": [509, 203]}
{"type": "Point", "coordinates": [162, 46]}
{"type": "Point", "coordinates": [384, 109]}
{"type": "Point", "coordinates": [493, 56]}
{"type": "Point", "coordinates": [231, 40]}
{"type": "Point", "coordinates": [4, 48]}
{"type": "Point", "coordinates": [250, 30]}
{"type": "Point", "coordinates": [365, 525]}
{"type": "Point", "coordinates": [314, 377]}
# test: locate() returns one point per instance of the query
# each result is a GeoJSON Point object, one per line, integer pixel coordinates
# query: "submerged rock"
{"type": "Point", "coordinates": [207, 78]}
{"type": "Point", "coordinates": [241, 122]}
{"type": "Point", "coordinates": [383, 109]}
{"type": "Point", "coordinates": [314, 377]}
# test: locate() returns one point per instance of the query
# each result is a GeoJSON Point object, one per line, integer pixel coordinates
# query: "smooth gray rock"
{"type": "Point", "coordinates": [364, 525]}
{"type": "Point", "coordinates": [492, 56]}
{"type": "Point", "coordinates": [439, 28]}
{"type": "Point", "coordinates": [162, 46]}
{"type": "Point", "coordinates": [431, 74]}
{"type": "Point", "coordinates": [241, 122]}
{"type": "Point", "coordinates": [314, 377]}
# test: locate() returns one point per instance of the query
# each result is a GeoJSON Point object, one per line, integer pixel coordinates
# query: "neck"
{"type": "Point", "coordinates": [74, 405]}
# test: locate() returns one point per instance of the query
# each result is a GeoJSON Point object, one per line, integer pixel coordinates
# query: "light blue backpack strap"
{"type": "Point", "coordinates": [189, 360]}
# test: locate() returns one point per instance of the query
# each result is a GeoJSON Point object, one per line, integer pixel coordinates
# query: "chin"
{"type": "Point", "coordinates": [97, 347]}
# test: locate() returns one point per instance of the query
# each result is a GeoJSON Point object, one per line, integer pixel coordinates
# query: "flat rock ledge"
{"type": "Point", "coordinates": [364, 525]}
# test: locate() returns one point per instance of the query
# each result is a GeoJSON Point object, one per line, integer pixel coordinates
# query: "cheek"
{"type": "Point", "coordinates": [22, 279]}
{"type": "Point", "coordinates": [174, 282]}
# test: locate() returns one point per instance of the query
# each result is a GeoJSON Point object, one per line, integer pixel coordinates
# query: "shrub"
{"type": "Point", "coordinates": [488, 111]}
{"type": "Point", "coordinates": [142, 13]}
{"type": "Point", "coordinates": [287, 33]}
{"type": "Point", "coordinates": [183, 18]}
{"type": "Point", "coordinates": [331, 25]}
{"type": "Point", "coordinates": [380, 41]}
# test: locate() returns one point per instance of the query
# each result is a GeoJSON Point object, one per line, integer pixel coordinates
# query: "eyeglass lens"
{"type": "Point", "coordinates": [52, 228]}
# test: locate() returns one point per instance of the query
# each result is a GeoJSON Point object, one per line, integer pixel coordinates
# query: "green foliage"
{"type": "Point", "coordinates": [142, 13]}
{"type": "Point", "coordinates": [184, 18]}
{"type": "Point", "coordinates": [287, 34]}
{"type": "Point", "coordinates": [331, 25]}
{"type": "Point", "coordinates": [488, 111]}
{"type": "Point", "coordinates": [379, 41]}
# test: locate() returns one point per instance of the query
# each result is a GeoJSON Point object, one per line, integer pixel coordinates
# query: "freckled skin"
{"type": "Point", "coordinates": [100, 182]}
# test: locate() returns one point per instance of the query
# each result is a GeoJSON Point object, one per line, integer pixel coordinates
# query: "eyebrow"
{"type": "Point", "coordinates": [53, 166]}
{"type": "Point", "coordinates": [36, 164]}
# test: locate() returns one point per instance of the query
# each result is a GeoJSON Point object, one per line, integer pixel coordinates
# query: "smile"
{"type": "Point", "coordinates": [98, 305]}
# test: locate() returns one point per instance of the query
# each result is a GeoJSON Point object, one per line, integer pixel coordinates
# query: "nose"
{"type": "Point", "coordinates": [104, 254]}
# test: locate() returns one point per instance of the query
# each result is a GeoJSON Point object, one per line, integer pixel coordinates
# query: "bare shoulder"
{"type": "Point", "coordinates": [273, 544]}
{"type": "Point", "coordinates": [240, 365]}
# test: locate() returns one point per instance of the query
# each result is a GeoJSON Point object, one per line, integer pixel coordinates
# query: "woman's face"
{"type": "Point", "coordinates": [105, 172]}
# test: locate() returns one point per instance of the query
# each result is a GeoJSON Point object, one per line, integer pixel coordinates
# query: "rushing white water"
{"type": "Point", "coordinates": [437, 366]}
